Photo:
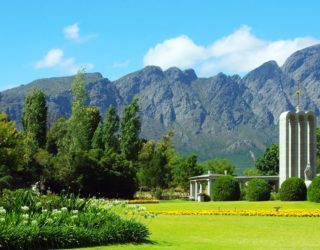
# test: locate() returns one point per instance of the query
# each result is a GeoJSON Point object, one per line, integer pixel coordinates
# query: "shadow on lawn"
{"type": "Point", "coordinates": [151, 243]}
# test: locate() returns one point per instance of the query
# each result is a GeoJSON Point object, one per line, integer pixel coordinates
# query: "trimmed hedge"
{"type": "Point", "coordinates": [225, 188]}
{"type": "Point", "coordinates": [258, 190]}
{"type": "Point", "coordinates": [293, 189]}
{"type": "Point", "coordinates": [314, 190]}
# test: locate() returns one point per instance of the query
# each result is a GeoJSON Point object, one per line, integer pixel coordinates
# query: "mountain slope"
{"type": "Point", "coordinates": [220, 116]}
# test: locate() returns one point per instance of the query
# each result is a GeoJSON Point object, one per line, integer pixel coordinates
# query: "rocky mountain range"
{"type": "Point", "coordinates": [221, 116]}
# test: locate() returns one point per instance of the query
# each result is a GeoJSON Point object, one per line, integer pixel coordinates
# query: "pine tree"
{"type": "Point", "coordinates": [110, 131]}
{"type": "Point", "coordinates": [34, 117]}
{"type": "Point", "coordinates": [130, 130]}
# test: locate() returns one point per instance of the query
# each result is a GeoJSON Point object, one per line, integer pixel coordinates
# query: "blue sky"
{"type": "Point", "coordinates": [55, 38]}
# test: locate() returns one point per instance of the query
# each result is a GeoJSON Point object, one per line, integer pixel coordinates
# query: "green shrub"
{"type": "Point", "coordinates": [225, 188]}
{"type": "Point", "coordinates": [158, 193]}
{"type": "Point", "coordinates": [258, 190]}
{"type": "Point", "coordinates": [274, 196]}
{"type": "Point", "coordinates": [293, 189]}
{"type": "Point", "coordinates": [52, 221]}
{"type": "Point", "coordinates": [314, 190]}
{"type": "Point", "coordinates": [242, 194]}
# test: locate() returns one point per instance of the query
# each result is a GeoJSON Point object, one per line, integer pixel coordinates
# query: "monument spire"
{"type": "Point", "coordinates": [298, 93]}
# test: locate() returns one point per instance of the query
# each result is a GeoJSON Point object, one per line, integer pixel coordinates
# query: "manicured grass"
{"type": "Point", "coordinates": [189, 205]}
{"type": "Point", "coordinates": [229, 232]}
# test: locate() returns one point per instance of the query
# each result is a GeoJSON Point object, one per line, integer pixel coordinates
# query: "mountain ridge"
{"type": "Point", "coordinates": [218, 116]}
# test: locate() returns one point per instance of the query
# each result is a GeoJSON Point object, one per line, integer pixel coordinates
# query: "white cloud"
{"type": "Point", "coordinates": [55, 59]}
{"type": "Point", "coordinates": [72, 32]}
{"type": "Point", "coordinates": [239, 52]}
{"type": "Point", "coordinates": [180, 51]}
{"type": "Point", "coordinates": [52, 58]}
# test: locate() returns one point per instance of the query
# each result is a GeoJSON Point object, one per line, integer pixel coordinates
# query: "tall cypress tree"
{"type": "Point", "coordinates": [34, 117]}
{"type": "Point", "coordinates": [130, 130]}
{"type": "Point", "coordinates": [79, 96]}
{"type": "Point", "coordinates": [110, 131]}
{"type": "Point", "coordinates": [97, 142]}
{"type": "Point", "coordinates": [90, 121]}
{"type": "Point", "coordinates": [77, 121]}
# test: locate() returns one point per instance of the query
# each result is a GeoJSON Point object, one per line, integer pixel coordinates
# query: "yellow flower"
{"type": "Point", "coordinates": [287, 213]}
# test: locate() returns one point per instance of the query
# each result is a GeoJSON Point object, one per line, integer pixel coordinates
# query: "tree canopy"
{"type": "Point", "coordinates": [268, 163]}
{"type": "Point", "coordinates": [218, 166]}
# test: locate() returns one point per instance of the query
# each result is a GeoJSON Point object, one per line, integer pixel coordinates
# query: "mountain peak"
{"type": "Point", "coordinates": [151, 69]}
{"type": "Point", "coordinates": [303, 63]}
{"type": "Point", "coordinates": [266, 71]}
{"type": "Point", "coordinates": [177, 74]}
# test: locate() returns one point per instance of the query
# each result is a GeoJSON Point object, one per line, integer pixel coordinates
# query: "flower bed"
{"type": "Point", "coordinates": [30, 221]}
{"type": "Point", "coordinates": [284, 213]}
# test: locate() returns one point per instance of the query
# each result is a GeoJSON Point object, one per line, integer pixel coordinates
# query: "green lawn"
{"type": "Point", "coordinates": [229, 232]}
{"type": "Point", "coordinates": [188, 205]}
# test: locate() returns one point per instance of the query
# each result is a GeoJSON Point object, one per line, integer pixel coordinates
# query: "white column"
{"type": "Point", "coordinates": [200, 191]}
{"type": "Point", "coordinates": [196, 191]}
{"type": "Point", "coordinates": [209, 187]}
{"type": "Point", "coordinates": [191, 190]}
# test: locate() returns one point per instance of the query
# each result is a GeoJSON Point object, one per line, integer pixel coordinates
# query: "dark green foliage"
{"type": "Point", "coordinates": [55, 136]}
{"type": "Point", "coordinates": [34, 117]}
{"type": "Point", "coordinates": [268, 163]}
{"type": "Point", "coordinates": [293, 189]}
{"type": "Point", "coordinates": [225, 188]}
{"type": "Point", "coordinates": [110, 132]}
{"type": "Point", "coordinates": [91, 120]}
{"type": "Point", "coordinates": [113, 176]}
{"type": "Point", "coordinates": [183, 168]}
{"type": "Point", "coordinates": [155, 169]}
{"type": "Point", "coordinates": [130, 130]}
{"type": "Point", "coordinates": [97, 142]}
{"type": "Point", "coordinates": [258, 190]}
{"type": "Point", "coordinates": [218, 166]}
{"type": "Point", "coordinates": [313, 192]}
{"type": "Point", "coordinates": [62, 173]}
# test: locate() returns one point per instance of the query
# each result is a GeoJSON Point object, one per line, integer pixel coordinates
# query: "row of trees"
{"type": "Point", "coordinates": [87, 154]}
{"type": "Point", "coordinates": [81, 153]}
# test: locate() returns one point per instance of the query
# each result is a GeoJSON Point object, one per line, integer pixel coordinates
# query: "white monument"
{"type": "Point", "coordinates": [297, 145]}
